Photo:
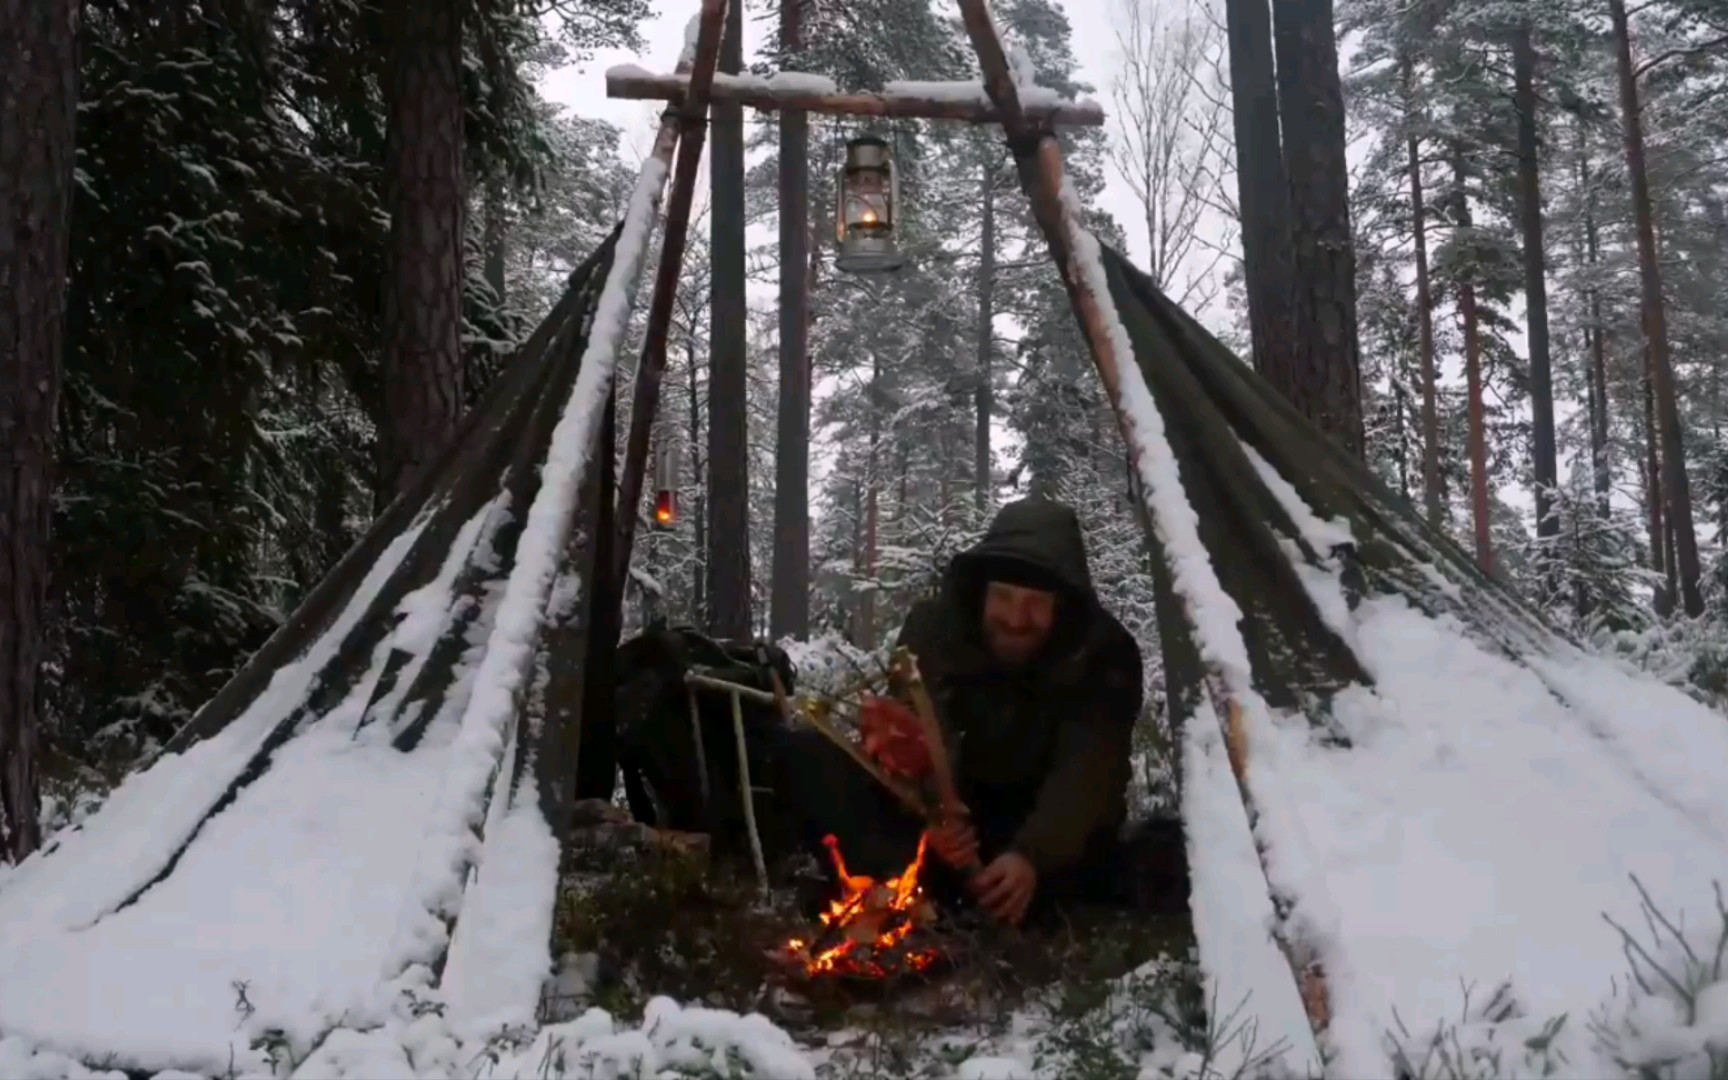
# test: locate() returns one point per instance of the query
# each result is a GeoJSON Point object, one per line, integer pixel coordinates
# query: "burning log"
{"type": "Point", "coordinates": [873, 931]}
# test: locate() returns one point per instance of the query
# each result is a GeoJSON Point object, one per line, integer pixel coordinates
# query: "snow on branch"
{"type": "Point", "coordinates": [963, 100]}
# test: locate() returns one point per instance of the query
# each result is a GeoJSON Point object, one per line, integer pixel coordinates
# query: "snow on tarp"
{"type": "Point", "coordinates": [1237, 950]}
{"type": "Point", "coordinates": [451, 848]}
{"type": "Point", "coordinates": [1465, 814]}
{"type": "Point", "coordinates": [262, 887]}
{"type": "Point", "coordinates": [89, 870]}
{"type": "Point", "coordinates": [278, 915]}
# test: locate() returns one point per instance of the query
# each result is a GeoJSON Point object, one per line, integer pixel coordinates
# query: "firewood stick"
{"type": "Point", "coordinates": [748, 795]}
{"type": "Point", "coordinates": [942, 771]}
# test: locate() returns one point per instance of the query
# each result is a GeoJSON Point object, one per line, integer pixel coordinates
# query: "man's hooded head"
{"type": "Point", "coordinates": [1028, 581]}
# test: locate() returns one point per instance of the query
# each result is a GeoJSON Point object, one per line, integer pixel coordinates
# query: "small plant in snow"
{"type": "Point", "coordinates": [1491, 1040]}
{"type": "Point", "coordinates": [1672, 1021]}
{"type": "Point", "coordinates": [1153, 1022]}
{"type": "Point", "coordinates": [278, 1049]}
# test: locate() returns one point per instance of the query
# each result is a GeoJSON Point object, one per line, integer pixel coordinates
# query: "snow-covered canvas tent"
{"type": "Point", "coordinates": [1395, 777]}
{"type": "Point", "coordinates": [397, 753]}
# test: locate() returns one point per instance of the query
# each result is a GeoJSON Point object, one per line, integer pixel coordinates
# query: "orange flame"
{"type": "Point", "coordinates": [867, 919]}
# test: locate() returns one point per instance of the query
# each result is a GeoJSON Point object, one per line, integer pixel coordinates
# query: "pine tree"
{"type": "Point", "coordinates": [38, 108]}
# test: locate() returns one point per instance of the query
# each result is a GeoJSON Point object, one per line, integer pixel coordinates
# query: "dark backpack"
{"type": "Point", "coordinates": [658, 751]}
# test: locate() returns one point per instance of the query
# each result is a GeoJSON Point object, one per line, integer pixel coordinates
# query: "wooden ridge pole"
{"type": "Point", "coordinates": [637, 85]}
{"type": "Point", "coordinates": [1043, 177]}
{"type": "Point", "coordinates": [690, 119]}
{"type": "Point", "coordinates": [584, 728]}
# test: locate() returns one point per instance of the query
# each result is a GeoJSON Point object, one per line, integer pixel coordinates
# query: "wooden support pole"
{"type": "Point", "coordinates": [690, 119]}
{"type": "Point", "coordinates": [767, 97]}
{"type": "Point", "coordinates": [1043, 178]}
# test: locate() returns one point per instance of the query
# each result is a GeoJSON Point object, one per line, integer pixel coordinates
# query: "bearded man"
{"type": "Point", "coordinates": [1038, 689]}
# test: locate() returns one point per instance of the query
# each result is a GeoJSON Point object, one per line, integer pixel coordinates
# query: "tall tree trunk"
{"type": "Point", "coordinates": [698, 484]}
{"type": "Point", "coordinates": [1479, 498]}
{"type": "Point", "coordinates": [1536, 295]}
{"type": "Point", "coordinates": [496, 235]}
{"type": "Point", "coordinates": [789, 588]}
{"type": "Point", "coordinates": [1262, 191]}
{"type": "Point", "coordinates": [1653, 509]}
{"type": "Point", "coordinates": [982, 391]}
{"type": "Point", "coordinates": [872, 510]}
{"type": "Point", "coordinates": [1676, 490]}
{"type": "Point", "coordinates": [424, 191]}
{"type": "Point", "coordinates": [728, 406]}
{"type": "Point", "coordinates": [1328, 366]}
{"type": "Point", "coordinates": [1601, 475]}
{"type": "Point", "coordinates": [1431, 494]}
{"type": "Point", "coordinates": [38, 105]}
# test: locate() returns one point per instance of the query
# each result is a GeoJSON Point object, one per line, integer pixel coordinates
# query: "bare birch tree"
{"type": "Point", "coordinates": [1172, 147]}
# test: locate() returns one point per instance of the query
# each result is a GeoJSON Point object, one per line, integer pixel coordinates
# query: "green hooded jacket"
{"type": "Point", "coordinates": [1041, 753]}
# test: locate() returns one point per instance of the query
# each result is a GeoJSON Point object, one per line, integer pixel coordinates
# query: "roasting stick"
{"type": "Point", "coordinates": [950, 807]}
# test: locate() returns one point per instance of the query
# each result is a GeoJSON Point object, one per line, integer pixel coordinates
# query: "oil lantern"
{"type": "Point", "coordinates": [666, 485]}
{"type": "Point", "coordinates": [869, 194]}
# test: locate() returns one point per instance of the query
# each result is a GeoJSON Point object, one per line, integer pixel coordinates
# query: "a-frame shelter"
{"type": "Point", "coordinates": [374, 805]}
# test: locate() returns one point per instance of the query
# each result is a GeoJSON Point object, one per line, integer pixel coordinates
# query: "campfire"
{"type": "Point", "coordinates": [875, 930]}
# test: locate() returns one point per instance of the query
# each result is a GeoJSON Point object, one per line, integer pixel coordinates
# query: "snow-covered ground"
{"type": "Point", "coordinates": [1478, 831]}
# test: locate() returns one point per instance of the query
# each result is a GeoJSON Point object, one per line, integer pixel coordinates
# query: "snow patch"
{"type": "Point", "coordinates": [801, 82]}
{"type": "Point", "coordinates": [1233, 915]}
{"type": "Point", "coordinates": [94, 868]}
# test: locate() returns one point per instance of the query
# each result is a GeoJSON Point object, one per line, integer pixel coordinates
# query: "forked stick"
{"type": "Point", "coordinates": [940, 770]}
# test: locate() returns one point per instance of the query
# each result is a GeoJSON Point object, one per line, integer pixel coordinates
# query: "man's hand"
{"type": "Point", "coordinates": [1005, 887]}
{"type": "Point", "coordinates": [955, 842]}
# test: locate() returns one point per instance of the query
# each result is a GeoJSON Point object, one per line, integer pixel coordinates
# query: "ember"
{"type": "Point", "coordinates": [868, 932]}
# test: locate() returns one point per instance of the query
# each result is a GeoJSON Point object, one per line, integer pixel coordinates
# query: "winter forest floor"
{"type": "Point", "coordinates": [665, 926]}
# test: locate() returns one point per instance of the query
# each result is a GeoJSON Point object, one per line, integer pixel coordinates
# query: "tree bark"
{"type": "Point", "coordinates": [728, 360]}
{"type": "Point", "coordinates": [1536, 295]}
{"type": "Point", "coordinates": [38, 107]}
{"type": "Point", "coordinates": [698, 483]}
{"type": "Point", "coordinates": [1601, 475]}
{"type": "Point", "coordinates": [789, 590]}
{"type": "Point", "coordinates": [1479, 498]}
{"type": "Point", "coordinates": [1431, 494]}
{"type": "Point", "coordinates": [983, 391]}
{"type": "Point", "coordinates": [1653, 515]}
{"type": "Point", "coordinates": [1676, 490]}
{"type": "Point", "coordinates": [872, 509]}
{"type": "Point", "coordinates": [1262, 191]}
{"type": "Point", "coordinates": [424, 191]}
{"type": "Point", "coordinates": [496, 235]}
{"type": "Point", "coordinates": [1327, 373]}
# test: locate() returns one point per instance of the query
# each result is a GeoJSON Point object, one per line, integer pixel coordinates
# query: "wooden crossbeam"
{"type": "Point", "coordinates": [689, 118]}
{"type": "Point", "coordinates": [947, 104]}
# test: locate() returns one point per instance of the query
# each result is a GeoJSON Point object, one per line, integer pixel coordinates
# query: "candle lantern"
{"type": "Point", "coordinates": [666, 485]}
{"type": "Point", "coordinates": [869, 197]}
